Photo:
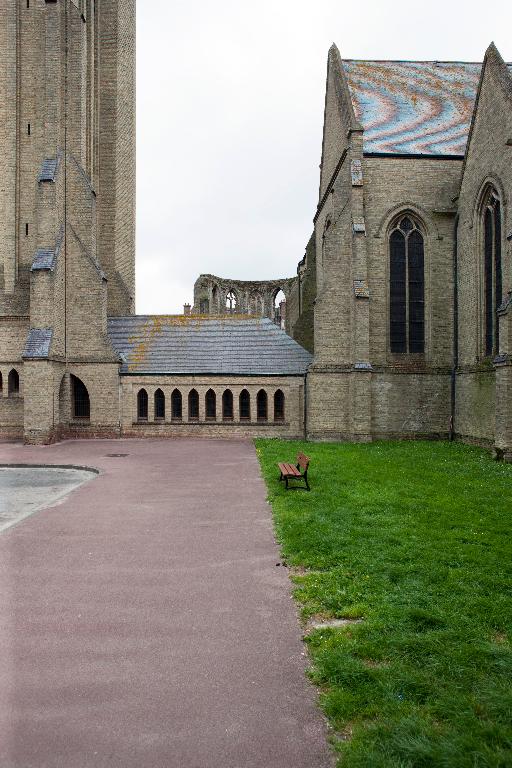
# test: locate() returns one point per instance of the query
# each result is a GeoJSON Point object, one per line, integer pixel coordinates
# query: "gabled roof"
{"type": "Point", "coordinates": [413, 107]}
{"type": "Point", "coordinates": [179, 344]}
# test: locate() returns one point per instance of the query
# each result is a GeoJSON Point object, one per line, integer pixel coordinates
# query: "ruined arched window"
{"type": "Point", "coordinates": [193, 405]}
{"type": "Point", "coordinates": [256, 304]}
{"type": "Point", "coordinates": [13, 382]}
{"type": "Point", "coordinates": [215, 299]}
{"type": "Point", "coordinates": [227, 405]}
{"type": "Point", "coordinates": [231, 302]}
{"type": "Point", "coordinates": [159, 404]}
{"type": "Point", "coordinates": [262, 405]}
{"type": "Point", "coordinates": [80, 402]}
{"type": "Point", "coordinates": [245, 405]}
{"type": "Point", "coordinates": [142, 405]}
{"type": "Point", "coordinates": [211, 405]}
{"type": "Point", "coordinates": [204, 307]}
{"type": "Point", "coordinates": [177, 405]}
{"type": "Point", "coordinates": [492, 272]}
{"type": "Point", "coordinates": [279, 308]}
{"type": "Point", "coordinates": [279, 405]}
{"type": "Point", "coordinates": [406, 287]}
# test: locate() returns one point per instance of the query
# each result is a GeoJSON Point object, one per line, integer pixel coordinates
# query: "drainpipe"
{"type": "Point", "coordinates": [455, 364]}
{"type": "Point", "coordinates": [305, 405]}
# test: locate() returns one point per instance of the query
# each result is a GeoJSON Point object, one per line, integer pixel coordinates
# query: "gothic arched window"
{"type": "Point", "coordinates": [176, 405]}
{"type": "Point", "coordinates": [159, 404]}
{"type": "Point", "coordinates": [245, 405]}
{"type": "Point", "coordinates": [492, 274]}
{"type": "Point", "coordinates": [211, 405]}
{"type": "Point", "coordinates": [406, 287]}
{"type": "Point", "coordinates": [231, 302]}
{"type": "Point", "coordinates": [193, 405]}
{"type": "Point", "coordinates": [227, 405]}
{"type": "Point", "coordinates": [279, 405]}
{"type": "Point", "coordinates": [13, 382]}
{"type": "Point", "coordinates": [261, 405]}
{"type": "Point", "coordinates": [142, 405]}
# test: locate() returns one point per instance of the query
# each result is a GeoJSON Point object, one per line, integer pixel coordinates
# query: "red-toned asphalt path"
{"type": "Point", "coordinates": [143, 621]}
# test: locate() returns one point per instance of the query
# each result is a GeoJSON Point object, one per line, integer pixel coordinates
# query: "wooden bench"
{"type": "Point", "coordinates": [297, 471]}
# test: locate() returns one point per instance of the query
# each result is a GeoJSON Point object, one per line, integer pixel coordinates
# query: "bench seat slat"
{"type": "Point", "coordinates": [289, 469]}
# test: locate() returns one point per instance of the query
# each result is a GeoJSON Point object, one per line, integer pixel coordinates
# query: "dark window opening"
{"type": "Point", "coordinates": [227, 405]}
{"type": "Point", "coordinates": [193, 405]}
{"type": "Point", "coordinates": [177, 405]}
{"type": "Point", "coordinates": [279, 406]}
{"type": "Point", "coordinates": [493, 278]}
{"type": "Point", "coordinates": [1, 382]}
{"type": "Point", "coordinates": [28, 126]}
{"type": "Point", "coordinates": [211, 405]}
{"type": "Point", "coordinates": [26, 230]}
{"type": "Point", "coordinates": [406, 288]}
{"type": "Point", "coordinates": [142, 405]}
{"type": "Point", "coordinates": [13, 383]}
{"type": "Point", "coordinates": [262, 405]}
{"type": "Point", "coordinates": [81, 402]}
{"type": "Point", "coordinates": [245, 405]}
{"type": "Point", "coordinates": [159, 405]}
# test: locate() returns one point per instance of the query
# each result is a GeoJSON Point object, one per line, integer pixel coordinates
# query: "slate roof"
{"type": "Point", "coordinates": [44, 259]}
{"type": "Point", "coordinates": [49, 169]}
{"type": "Point", "coordinates": [178, 344]}
{"type": "Point", "coordinates": [38, 343]}
{"type": "Point", "coordinates": [413, 107]}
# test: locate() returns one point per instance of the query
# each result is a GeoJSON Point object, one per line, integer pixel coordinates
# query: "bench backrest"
{"type": "Point", "coordinates": [303, 462]}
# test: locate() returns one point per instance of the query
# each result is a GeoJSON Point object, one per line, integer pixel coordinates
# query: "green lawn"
{"type": "Point", "coordinates": [413, 538]}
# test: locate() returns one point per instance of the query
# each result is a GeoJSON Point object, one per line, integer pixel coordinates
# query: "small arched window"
{"type": "Point", "coordinates": [227, 405]}
{"type": "Point", "coordinates": [193, 405]}
{"type": "Point", "coordinates": [211, 405]}
{"type": "Point", "coordinates": [231, 302]}
{"type": "Point", "coordinates": [245, 405]}
{"type": "Point", "coordinates": [279, 405]}
{"type": "Point", "coordinates": [80, 399]}
{"type": "Point", "coordinates": [13, 382]}
{"type": "Point", "coordinates": [142, 405]}
{"type": "Point", "coordinates": [262, 405]}
{"type": "Point", "coordinates": [177, 405]}
{"type": "Point", "coordinates": [159, 404]}
{"type": "Point", "coordinates": [406, 287]}
{"type": "Point", "coordinates": [493, 278]}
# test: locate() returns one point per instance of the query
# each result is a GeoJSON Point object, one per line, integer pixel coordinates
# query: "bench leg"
{"type": "Point", "coordinates": [286, 483]}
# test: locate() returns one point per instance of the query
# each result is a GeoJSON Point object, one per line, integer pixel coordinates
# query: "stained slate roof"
{"type": "Point", "coordinates": [38, 343]}
{"type": "Point", "coordinates": [49, 169]}
{"type": "Point", "coordinates": [44, 259]}
{"type": "Point", "coordinates": [178, 344]}
{"type": "Point", "coordinates": [413, 107]}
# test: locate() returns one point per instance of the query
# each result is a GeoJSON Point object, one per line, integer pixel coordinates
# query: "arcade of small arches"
{"type": "Point", "coordinates": [185, 407]}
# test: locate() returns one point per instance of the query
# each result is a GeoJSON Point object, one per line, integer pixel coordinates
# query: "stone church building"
{"type": "Point", "coordinates": [399, 319]}
{"type": "Point", "coordinates": [408, 275]}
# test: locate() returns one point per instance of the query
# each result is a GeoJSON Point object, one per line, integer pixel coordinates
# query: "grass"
{"type": "Point", "coordinates": [414, 538]}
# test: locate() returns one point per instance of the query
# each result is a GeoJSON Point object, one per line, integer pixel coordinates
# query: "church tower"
{"type": "Point", "coordinates": [67, 211]}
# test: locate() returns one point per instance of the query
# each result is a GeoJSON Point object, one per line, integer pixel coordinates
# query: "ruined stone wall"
{"type": "Point", "coordinates": [301, 323]}
{"type": "Point", "coordinates": [252, 297]}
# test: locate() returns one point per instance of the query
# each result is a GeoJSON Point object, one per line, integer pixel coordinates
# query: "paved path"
{"type": "Point", "coordinates": [143, 620]}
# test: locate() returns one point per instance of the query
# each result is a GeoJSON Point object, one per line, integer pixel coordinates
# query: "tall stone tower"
{"type": "Point", "coordinates": [67, 211]}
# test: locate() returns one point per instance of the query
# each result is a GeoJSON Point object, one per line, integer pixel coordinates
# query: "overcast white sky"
{"type": "Point", "coordinates": [229, 122]}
